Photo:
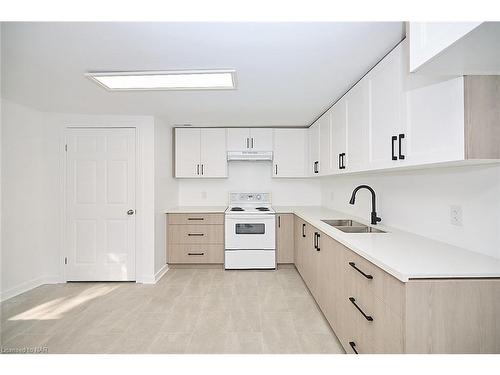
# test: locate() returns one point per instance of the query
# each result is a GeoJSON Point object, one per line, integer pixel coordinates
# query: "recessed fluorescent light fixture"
{"type": "Point", "coordinates": [166, 80]}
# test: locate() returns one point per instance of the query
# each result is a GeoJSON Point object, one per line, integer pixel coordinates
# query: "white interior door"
{"type": "Point", "coordinates": [100, 204]}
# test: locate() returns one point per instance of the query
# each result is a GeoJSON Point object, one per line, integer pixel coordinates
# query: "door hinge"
{"type": "Point", "coordinates": [65, 147]}
{"type": "Point", "coordinates": [65, 260]}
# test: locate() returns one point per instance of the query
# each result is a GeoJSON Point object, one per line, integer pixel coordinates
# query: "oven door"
{"type": "Point", "coordinates": [250, 232]}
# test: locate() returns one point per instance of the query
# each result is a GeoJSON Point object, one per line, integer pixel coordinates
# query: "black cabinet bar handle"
{"type": "Point", "coordinates": [340, 161]}
{"type": "Point", "coordinates": [196, 253]}
{"type": "Point", "coordinates": [303, 230]}
{"type": "Point", "coordinates": [367, 317]}
{"type": "Point", "coordinates": [401, 156]}
{"type": "Point", "coordinates": [248, 145]}
{"type": "Point", "coordinates": [196, 234]}
{"type": "Point", "coordinates": [343, 160]}
{"type": "Point", "coordinates": [315, 239]}
{"type": "Point", "coordinates": [317, 242]}
{"type": "Point", "coordinates": [196, 218]}
{"type": "Point", "coordinates": [353, 265]}
{"type": "Point", "coordinates": [279, 221]}
{"type": "Point", "coordinates": [197, 169]}
{"type": "Point", "coordinates": [393, 139]}
{"type": "Point", "coordinates": [252, 142]}
{"type": "Point", "coordinates": [202, 169]}
{"type": "Point", "coordinates": [352, 344]}
{"type": "Point", "coordinates": [276, 169]}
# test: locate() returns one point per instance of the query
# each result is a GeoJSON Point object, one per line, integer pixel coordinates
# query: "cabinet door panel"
{"type": "Point", "coordinates": [284, 238]}
{"type": "Point", "coordinates": [325, 144]}
{"type": "Point", "coordinates": [435, 131]}
{"type": "Point", "coordinates": [238, 139]}
{"type": "Point", "coordinates": [290, 153]}
{"type": "Point", "coordinates": [213, 153]}
{"type": "Point", "coordinates": [187, 152]}
{"type": "Point", "coordinates": [261, 139]}
{"type": "Point", "coordinates": [357, 127]}
{"type": "Point", "coordinates": [314, 148]}
{"type": "Point", "coordinates": [339, 139]}
{"type": "Point", "coordinates": [386, 107]}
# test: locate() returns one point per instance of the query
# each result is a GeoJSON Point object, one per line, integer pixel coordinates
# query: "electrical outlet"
{"type": "Point", "coordinates": [456, 215]}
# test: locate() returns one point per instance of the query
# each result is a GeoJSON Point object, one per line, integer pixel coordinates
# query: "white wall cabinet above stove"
{"type": "Point", "coordinates": [200, 153]}
{"type": "Point", "coordinates": [246, 139]}
{"type": "Point", "coordinates": [290, 153]}
{"type": "Point", "coordinates": [454, 48]}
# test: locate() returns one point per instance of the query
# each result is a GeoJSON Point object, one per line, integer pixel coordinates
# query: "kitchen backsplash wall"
{"type": "Point", "coordinates": [420, 201]}
{"type": "Point", "coordinates": [249, 177]}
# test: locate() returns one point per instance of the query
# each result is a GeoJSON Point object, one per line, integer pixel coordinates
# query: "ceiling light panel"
{"type": "Point", "coordinates": [170, 80]}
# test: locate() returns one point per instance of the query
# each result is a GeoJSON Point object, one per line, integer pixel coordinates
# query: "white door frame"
{"type": "Point", "coordinates": [141, 237]}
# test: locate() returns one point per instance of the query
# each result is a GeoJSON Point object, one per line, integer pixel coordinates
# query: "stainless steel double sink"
{"type": "Point", "coordinates": [351, 226]}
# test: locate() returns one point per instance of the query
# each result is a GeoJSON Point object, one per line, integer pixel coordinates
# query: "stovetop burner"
{"type": "Point", "coordinates": [262, 208]}
{"type": "Point", "coordinates": [237, 209]}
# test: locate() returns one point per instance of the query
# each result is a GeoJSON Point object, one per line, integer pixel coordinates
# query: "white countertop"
{"type": "Point", "coordinates": [401, 254]}
{"type": "Point", "coordinates": [196, 209]}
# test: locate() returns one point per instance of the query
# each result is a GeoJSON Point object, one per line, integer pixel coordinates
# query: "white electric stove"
{"type": "Point", "coordinates": [250, 235]}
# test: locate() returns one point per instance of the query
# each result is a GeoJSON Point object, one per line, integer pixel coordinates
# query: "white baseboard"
{"type": "Point", "coordinates": [28, 285]}
{"type": "Point", "coordinates": [155, 278]}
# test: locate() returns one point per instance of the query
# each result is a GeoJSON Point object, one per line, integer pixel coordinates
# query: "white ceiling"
{"type": "Point", "coordinates": [288, 73]}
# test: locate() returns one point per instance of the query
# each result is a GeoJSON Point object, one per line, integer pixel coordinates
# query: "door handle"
{"type": "Point", "coordinates": [248, 143]}
{"type": "Point", "coordinates": [202, 169]}
{"type": "Point", "coordinates": [342, 155]}
{"type": "Point", "coordinates": [367, 317]}
{"type": "Point", "coordinates": [401, 156]}
{"type": "Point", "coordinates": [352, 344]}
{"type": "Point", "coordinates": [340, 163]}
{"type": "Point", "coordinates": [252, 142]}
{"type": "Point", "coordinates": [315, 240]}
{"type": "Point", "coordinates": [279, 221]}
{"type": "Point", "coordinates": [393, 139]}
{"type": "Point", "coordinates": [198, 169]}
{"type": "Point", "coordinates": [276, 169]}
{"type": "Point", "coordinates": [130, 212]}
{"type": "Point", "coordinates": [318, 248]}
{"type": "Point", "coordinates": [353, 265]}
{"type": "Point", "coordinates": [196, 253]}
{"type": "Point", "coordinates": [196, 234]}
{"type": "Point", "coordinates": [303, 230]}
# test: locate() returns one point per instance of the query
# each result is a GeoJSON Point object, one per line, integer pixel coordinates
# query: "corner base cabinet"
{"type": "Point", "coordinates": [371, 311]}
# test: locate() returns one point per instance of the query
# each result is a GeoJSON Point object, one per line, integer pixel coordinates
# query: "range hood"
{"type": "Point", "coordinates": [250, 155]}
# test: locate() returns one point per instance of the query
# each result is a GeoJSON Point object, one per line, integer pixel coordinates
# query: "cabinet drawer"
{"type": "Point", "coordinates": [360, 274]}
{"type": "Point", "coordinates": [195, 234]}
{"type": "Point", "coordinates": [196, 219]}
{"type": "Point", "coordinates": [195, 253]}
{"type": "Point", "coordinates": [376, 325]}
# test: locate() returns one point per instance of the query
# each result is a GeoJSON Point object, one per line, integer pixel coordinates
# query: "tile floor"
{"type": "Point", "coordinates": [187, 311]}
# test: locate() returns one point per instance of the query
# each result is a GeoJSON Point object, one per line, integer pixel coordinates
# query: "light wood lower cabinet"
{"type": "Point", "coordinates": [195, 238]}
{"type": "Point", "coordinates": [370, 311]}
{"type": "Point", "coordinates": [284, 238]}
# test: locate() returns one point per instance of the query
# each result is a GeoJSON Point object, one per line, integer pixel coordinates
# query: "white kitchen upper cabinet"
{"type": "Point", "coordinates": [325, 145]}
{"type": "Point", "coordinates": [290, 153]}
{"type": "Point", "coordinates": [261, 139]}
{"type": "Point", "coordinates": [387, 107]}
{"type": "Point", "coordinates": [246, 139]}
{"type": "Point", "coordinates": [435, 123]}
{"type": "Point", "coordinates": [200, 153]}
{"type": "Point", "coordinates": [213, 153]}
{"type": "Point", "coordinates": [429, 39]}
{"type": "Point", "coordinates": [187, 153]}
{"type": "Point", "coordinates": [238, 139]}
{"type": "Point", "coordinates": [314, 166]}
{"type": "Point", "coordinates": [357, 101]}
{"type": "Point", "coordinates": [339, 137]}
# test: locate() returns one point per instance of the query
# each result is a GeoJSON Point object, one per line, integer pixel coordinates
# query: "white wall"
{"type": "Point", "coordinates": [248, 176]}
{"type": "Point", "coordinates": [166, 188]}
{"type": "Point", "coordinates": [24, 194]}
{"type": "Point", "coordinates": [419, 201]}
